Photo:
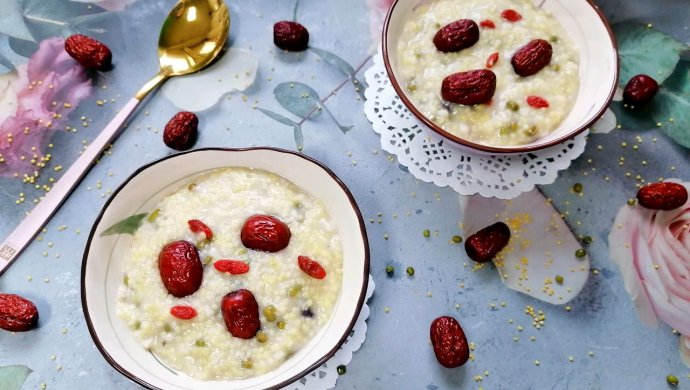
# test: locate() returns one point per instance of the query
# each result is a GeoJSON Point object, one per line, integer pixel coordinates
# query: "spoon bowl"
{"type": "Point", "coordinates": [192, 36]}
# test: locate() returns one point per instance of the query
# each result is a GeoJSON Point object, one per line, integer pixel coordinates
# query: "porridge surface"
{"type": "Point", "coordinates": [423, 68]}
{"type": "Point", "coordinates": [202, 347]}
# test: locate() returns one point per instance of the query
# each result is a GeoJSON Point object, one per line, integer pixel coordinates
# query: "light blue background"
{"type": "Point", "coordinates": [397, 353]}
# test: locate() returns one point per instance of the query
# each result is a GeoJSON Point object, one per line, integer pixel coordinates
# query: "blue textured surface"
{"type": "Point", "coordinates": [397, 353]}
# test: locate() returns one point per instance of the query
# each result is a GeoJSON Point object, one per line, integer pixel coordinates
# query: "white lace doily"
{"type": "Point", "coordinates": [325, 376]}
{"type": "Point", "coordinates": [429, 157]}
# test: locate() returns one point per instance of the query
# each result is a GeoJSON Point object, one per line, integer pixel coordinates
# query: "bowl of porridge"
{"type": "Point", "coordinates": [225, 269]}
{"type": "Point", "coordinates": [501, 76]}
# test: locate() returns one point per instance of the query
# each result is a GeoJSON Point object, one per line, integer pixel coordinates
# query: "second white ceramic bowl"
{"type": "Point", "coordinates": [589, 30]}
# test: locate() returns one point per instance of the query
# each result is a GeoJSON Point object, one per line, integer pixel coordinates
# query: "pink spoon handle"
{"type": "Point", "coordinates": [22, 235]}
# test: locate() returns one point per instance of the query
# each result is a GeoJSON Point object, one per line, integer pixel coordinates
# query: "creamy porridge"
{"type": "Point", "coordinates": [293, 303]}
{"type": "Point", "coordinates": [522, 109]}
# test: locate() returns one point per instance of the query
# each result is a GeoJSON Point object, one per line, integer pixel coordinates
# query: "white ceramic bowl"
{"type": "Point", "coordinates": [588, 29]}
{"type": "Point", "coordinates": [104, 258]}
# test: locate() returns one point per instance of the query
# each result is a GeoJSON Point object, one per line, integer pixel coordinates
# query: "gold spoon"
{"type": "Point", "coordinates": [192, 36]}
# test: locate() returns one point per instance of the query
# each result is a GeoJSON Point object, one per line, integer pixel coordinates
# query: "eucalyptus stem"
{"type": "Point", "coordinates": [294, 11]}
{"type": "Point", "coordinates": [333, 92]}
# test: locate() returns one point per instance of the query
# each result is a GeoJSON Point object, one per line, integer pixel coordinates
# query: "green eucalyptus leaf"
{"type": "Point", "coordinates": [22, 47]}
{"type": "Point", "coordinates": [342, 128]}
{"type": "Point", "coordinates": [671, 106]}
{"type": "Point", "coordinates": [12, 21]}
{"type": "Point", "coordinates": [45, 20]}
{"type": "Point", "coordinates": [128, 225]}
{"type": "Point", "coordinates": [644, 50]}
{"type": "Point", "coordinates": [299, 138]}
{"type": "Point", "coordinates": [343, 66]}
{"type": "Point", "coordinates": [334, 61]}
{"type": "Point", "coordinates": [633, 119]}
{"type": "Point", "coordinates": [13, 377]}
{"type": "Point", "coordinates": [300, 99]}
{"type": "Point", "coordinates": [277, 117]}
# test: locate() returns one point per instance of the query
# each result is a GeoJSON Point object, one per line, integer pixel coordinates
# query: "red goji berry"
{"type": "Point", "coordinates": [183, 312]}
{"type": "Point", "coordinates": [233, 267]}
{"type": "Point", "coordinates": [311, 267]}
{"type": "Point", "coordinates": [537, 102]}
{"type": "Point", "coordinates": [197, 226]}
{"type": "Point", "coordinates": [492, 60]}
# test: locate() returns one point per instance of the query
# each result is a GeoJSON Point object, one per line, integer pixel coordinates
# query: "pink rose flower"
{"type": "Point", "coordinates": [652, 250]}
{"type": "Point", "coordinates": [377, 14]}
{"type": "Point", "coordinates": [39, 98]}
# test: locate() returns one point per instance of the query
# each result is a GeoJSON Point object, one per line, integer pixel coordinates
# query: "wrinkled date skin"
{"type": "Point", "coordinates": [265, 233]}
{"type": "Point", "coordinates": [241, 313]}
{"type": "Point", "coordinates": [456, 36]}
{"type": "Point", "coordinates": [640, 90]}
{"type": "Point", "coordinates": [662, 196]}
{"type": "Point", "coordinates": [449, 342]}
{"type": "Point", "coordinates": [17, 314]}
{"type": "Point", "coordinates": [290, 36]}
{"type": "Point", "coordinates": [469, 88]}
{"type": "Point", "coordinates": [89, 52]}
{"type": "Point", "coordinates": [180, 268]}
{"type": "Point", "coordinates": [483, 245]}
{"type": "Point", "coordinates": [532, 57]}
{"type": "Point", "coordinates": [181, 131]}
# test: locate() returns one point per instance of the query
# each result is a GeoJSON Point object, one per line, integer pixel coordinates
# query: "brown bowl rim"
{"type": "Point", "coordinates": [497, 149]}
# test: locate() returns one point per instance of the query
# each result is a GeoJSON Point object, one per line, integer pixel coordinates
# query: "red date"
{"type": "Point", "coordinates": [17, 314]}
{"type": "Point", "coordinates": [456, 36]}
{"type": "Point", "coordinates": [640, 90]}
{"type": "Point", "coordinates": [265, 233]}
{"type": "Point", "coordinates": [483, 245]}
{"type": "Point", "coordinates": [469, 88]}
{"type": "Point", "coordinates": [662, 196]}
{"type": "Point", "coordinates": [180, 268]}
{"type": "Point", "coordinates": [449, 342]}
{"type": "Point", "coordinates": [241, 313]}
{"type": "Point", "coordinates": [532, 57]}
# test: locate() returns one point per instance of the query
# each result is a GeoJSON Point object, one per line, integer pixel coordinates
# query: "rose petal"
{"type": "Point", "coordinates": [541, 245]}
{"type": "Point", "coordinates": [234, 71]}
{"type": "Point", "coordinates": [45, 92]}
{"type": "Point", "coordinates": [657, 269]}
{"type": "Point", "coordinates": [625, 245]}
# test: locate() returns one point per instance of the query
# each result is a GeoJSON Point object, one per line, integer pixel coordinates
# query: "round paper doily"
{"type": "Point", "coordinates": [325, 376]}
{"type": "Point", "coordinates": [431, 158]}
